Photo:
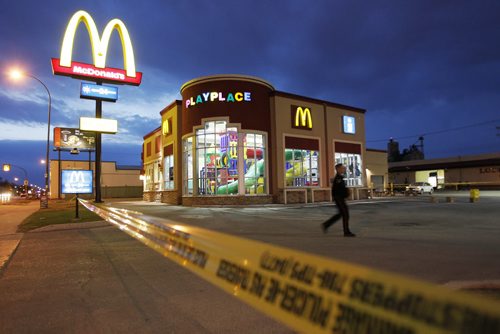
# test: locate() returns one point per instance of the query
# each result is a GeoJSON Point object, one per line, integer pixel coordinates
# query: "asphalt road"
{"type": "Point", "coordinates": [100, 280]}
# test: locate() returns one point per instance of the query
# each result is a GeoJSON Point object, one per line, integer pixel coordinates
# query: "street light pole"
{"type": "Point", "coordinates": [16, 74]}
{"type": "Point", "coordinates": [48, 134]}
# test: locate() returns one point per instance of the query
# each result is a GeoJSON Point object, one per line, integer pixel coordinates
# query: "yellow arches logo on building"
{"type": "Point", "coordinates": [303, 118]}
{"type": "Point", "coordinates": [166, 127]}
{"type": "Point", "coordinates": [99, 45]}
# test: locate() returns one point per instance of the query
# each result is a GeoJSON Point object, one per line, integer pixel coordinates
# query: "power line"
{"type": "Point", "coordinates": [438, 132]}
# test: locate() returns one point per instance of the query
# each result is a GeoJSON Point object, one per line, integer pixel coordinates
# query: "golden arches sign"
{"type": "Point", "coordinates": [99, 45]}
{"type": "Point", "coordinates": [98, 71]}
{"type": "Point", "coordinates": [303, 118]}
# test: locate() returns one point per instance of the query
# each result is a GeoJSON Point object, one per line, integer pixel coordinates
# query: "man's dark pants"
{"type": "Point", "coordinates": [343, 212]}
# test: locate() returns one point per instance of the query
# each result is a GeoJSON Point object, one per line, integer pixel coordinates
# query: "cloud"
{"type": "Point", "coordinates": [21, 130]}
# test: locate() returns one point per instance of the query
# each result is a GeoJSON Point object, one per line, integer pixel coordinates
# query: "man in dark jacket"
{"type": "Point", "coordinates": [339, 194]}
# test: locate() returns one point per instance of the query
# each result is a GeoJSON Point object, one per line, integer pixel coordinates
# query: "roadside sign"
{"type": "Point", "coordinates": [99, 125]}
{"type": "Point", "coordinates": [70, 138]}
{"type": "Point", "coordinates": [76, 181]}
{"type": "Point", "coordinates": [98, 92]}
{"type": "Point", "coordinates": [44, 202]}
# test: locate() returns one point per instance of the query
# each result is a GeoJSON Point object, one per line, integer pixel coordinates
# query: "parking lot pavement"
{"type": "Point", "coordinates": [440, 242]}
{"type": "Point", "coordinates": [100, 280]}
{"type": "Point", "coordinates": [97, 279]}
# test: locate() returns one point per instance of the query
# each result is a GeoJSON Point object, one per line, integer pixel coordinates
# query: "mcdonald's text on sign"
{"type": "Point", "coordinates": [98, 71]}
{"type": "Point", "coordinates": [76, 181]}
{"type": "Point", "coordinates": [301, 118]}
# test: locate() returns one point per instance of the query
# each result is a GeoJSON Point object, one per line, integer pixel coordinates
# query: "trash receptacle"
{"type": "Point", "coordinates": [474, 195]}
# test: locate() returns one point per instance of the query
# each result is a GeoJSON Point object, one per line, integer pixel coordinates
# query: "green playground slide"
{"type": "Point", "coordinates": [296, 169]}
{"type": "Point", "coordinates": [250, 176]}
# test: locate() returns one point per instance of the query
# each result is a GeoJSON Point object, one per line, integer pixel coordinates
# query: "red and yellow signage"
{"type": "Point", "coordinates": [98, 71]}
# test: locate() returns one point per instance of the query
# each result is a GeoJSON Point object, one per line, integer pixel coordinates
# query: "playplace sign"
{"type": "Point", "coordinates": [208, 97]}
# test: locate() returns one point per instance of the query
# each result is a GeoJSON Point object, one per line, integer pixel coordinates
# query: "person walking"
{"type": "Point", "coordinates": [339, 194]}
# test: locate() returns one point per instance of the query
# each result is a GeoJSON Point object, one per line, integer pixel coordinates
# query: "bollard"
{"type": "Point", "coordinates": [474, 195]}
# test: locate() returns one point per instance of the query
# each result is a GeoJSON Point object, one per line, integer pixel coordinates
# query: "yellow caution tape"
{"type": "Point", "coordinates": [309, 293]}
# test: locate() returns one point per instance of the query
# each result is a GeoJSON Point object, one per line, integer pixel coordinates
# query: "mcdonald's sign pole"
{"type": "Point", "coordinates": [97, 72]}
{"type": "Point", "coordinates": [98, 114]}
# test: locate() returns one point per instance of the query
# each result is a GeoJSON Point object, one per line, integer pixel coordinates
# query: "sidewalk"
{"type": "Point", "coordinates": [11, 216]}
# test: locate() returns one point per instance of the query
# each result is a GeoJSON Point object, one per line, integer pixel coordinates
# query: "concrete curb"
{"type": "Point", "coordinates": [493, 284]}
{"type": "Point", "coordinates": [8, 246]}
{"type": "Point", "coordinates": [71, 226]}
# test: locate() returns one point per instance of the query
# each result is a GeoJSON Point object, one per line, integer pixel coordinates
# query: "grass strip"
{"type": "Point", "coordinates": [59, 212]}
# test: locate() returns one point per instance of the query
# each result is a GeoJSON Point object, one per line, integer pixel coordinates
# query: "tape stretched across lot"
{"type": "Point", "coordinates": [309, 293]}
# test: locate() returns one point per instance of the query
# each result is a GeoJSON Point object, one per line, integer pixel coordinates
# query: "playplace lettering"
{"type": "Point", "coordinates": [218, 97]}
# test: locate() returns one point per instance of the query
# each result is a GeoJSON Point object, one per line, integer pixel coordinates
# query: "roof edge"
{"type": "Point", "coordinates": [170, 106]}
{"type": "Point", "coordinates": [220, 77]}
{"type": "Point", "coordinates": [151, 133]}
{"type": "Point", "coordinates": [314, 100]}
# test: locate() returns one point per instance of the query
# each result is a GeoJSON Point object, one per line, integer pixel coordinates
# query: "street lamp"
{"type": "Point", "coordinates": [16, 74]}
{"type": "Point", "coordinates": [7, 168]}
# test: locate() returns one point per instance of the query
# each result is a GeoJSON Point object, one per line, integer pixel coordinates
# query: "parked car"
{"type": "Point", "coordinates": [419, 188]}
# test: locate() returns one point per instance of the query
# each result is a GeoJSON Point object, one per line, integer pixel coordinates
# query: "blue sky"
{"type": "Point", "coordinates": [418, 67]}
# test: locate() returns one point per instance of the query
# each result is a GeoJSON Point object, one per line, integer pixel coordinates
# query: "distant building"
{"type": "Point", "coordinates": [377, 175]}
{"type": "Point", "coordinates": [479, 171]}
{"type": "Point", "coordinates": [414, 152]}
{"type": "Point", "coordinates": [116, 181]}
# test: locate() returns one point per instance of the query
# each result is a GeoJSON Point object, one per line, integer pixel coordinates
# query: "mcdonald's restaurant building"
{"type": "Point", "coordinates": [236, 140]}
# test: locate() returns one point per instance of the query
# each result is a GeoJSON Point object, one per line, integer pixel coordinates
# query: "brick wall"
{"type": "Point", "coordinates": [171, 197]}
{"type": "Point", "coordinates": [226, 200]}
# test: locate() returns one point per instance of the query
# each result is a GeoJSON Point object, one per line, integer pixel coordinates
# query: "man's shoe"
{"type": "Point", "coordinates": [323, 227]}
{"type": "Point", "coordinates": [349, 234]}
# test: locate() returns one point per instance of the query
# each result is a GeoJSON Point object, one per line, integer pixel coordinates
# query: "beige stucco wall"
{"type": "Point", "coordinates": [173, 138]}
{"type": "Point", "coordinates": [335, 133]}
{"type": "Point", "coordinates": [110, 176]}
{"type": "Point", "coordinates": [283, 115]}
{"type": "Point", "coordinates": [327, 123]}
{"type": "Point", "coordinates": [376, 164]}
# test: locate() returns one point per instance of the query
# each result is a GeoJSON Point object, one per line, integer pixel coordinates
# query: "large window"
{"type": "Point", "coordinates": [149, 177]}
{"type": "Point", "coordinates": [152, 176]}
{"type": "Point", "coordinates": [301, 168]}
{"type": "Point", "coordinates": [168, 172]}
{"type": "Point", "coordinates": [254, 167]}
{"type": "Point", "coordinates": [188, 166]}
{"type": "Point", "coordinates": [354, 174]}
{"type": "Point", "coordinates": [227, 162]}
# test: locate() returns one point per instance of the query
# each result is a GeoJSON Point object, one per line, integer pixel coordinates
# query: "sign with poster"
{"type": "Point", "coordinates": [76, 181]}
{"type": "Point", "coordinates": [69, 138]}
